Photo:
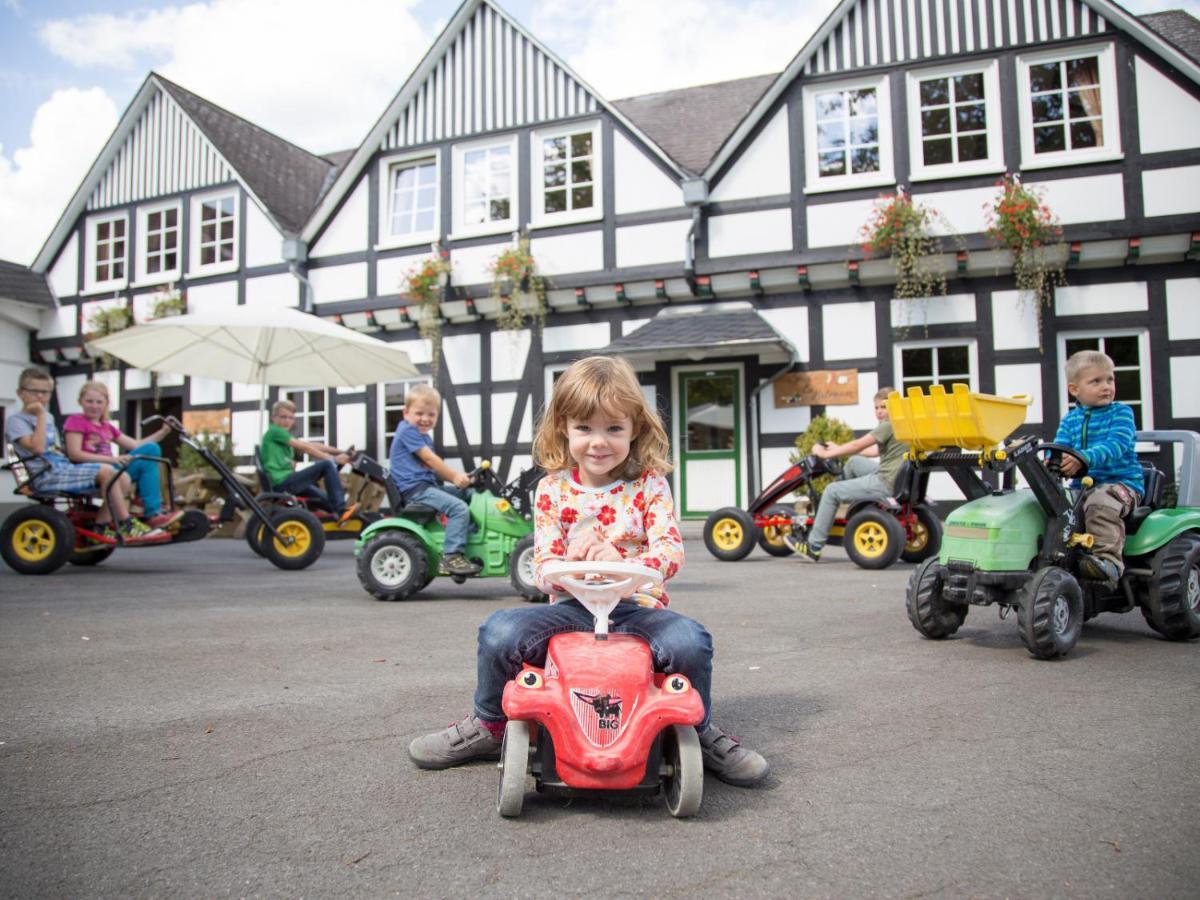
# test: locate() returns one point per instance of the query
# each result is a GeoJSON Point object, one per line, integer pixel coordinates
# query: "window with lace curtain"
{"type": "Point", "coordinates": [1068, 107]}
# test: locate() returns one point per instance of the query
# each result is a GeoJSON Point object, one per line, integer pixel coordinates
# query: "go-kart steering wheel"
{"type": "Point", "coordinates": [1054, 459]}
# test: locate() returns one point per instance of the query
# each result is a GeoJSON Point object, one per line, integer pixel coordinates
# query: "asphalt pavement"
{"type": "Point", "coordinates": [191, 722]}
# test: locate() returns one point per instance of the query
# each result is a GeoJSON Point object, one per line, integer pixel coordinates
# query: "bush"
{"type": "Point", "coordinates": [822, 430]}
{"type": "Point", "coordinates": [220, 445]}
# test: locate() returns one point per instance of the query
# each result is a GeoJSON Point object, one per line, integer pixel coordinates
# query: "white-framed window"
{"type": "Point", "coordinates": [485, 187]}
{"type": "Point", "coordinates": [565, 168]}
{"type": "Point", "coordinates": [848, 134]}
{"type": "Point", "coordinates": [1068, 106]}
{"type": "Point", "coordinates": [1129, 349]}
{"type": "Point", "coordinates": [954, 121]}
{"type": "Point", "coordinates": [392, 395]}
{"type": "Point", "coordinates": [409, 213]}
{"type": "Point", "coordinates": [107, 252]}
{"type": "Point", "coordinates": [214, 229]}
{"type": "Point", "coordinates": [945, 362]}
{"type": "Point", "coordinates": [312, 405]}
{"type": "Point", "coordinates": [160, 253]}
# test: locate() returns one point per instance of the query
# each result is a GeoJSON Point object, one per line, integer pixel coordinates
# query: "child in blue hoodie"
{"type": "Point", "coordinates": [1102, 430]}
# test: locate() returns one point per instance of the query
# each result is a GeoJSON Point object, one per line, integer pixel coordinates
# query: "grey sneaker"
{"type": "Point", "coordinates": [456, 744]}
{"type": "Point", "coordinates": [1096, 568]}
{"type": "Point", "coordinates": [726, 758]}
{"type": "Point", "coordinates": [807, 554]}
{"type": "Point", "coordinates": [457, 564]}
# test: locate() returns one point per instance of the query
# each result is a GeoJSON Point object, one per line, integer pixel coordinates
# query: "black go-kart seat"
{"type": "Point", "coordinates": [910, 484]}
{"type": "Point", "coordinates": [418, 512]}
{"type": "Point", "coordinates": [1154, 482]}
{"type": "Point", "coordinates": [23, 483]}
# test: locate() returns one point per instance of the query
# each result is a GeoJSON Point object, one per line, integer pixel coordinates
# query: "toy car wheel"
{"type": "Point", "coordinates": [729, 533]}
{"type": "Point", "coordinates": [927, 607]}
{"type": "Point", "coordinates": [1050, 613]}
{"type": "Point", "coordinates": [520, 571]}
{"type": "Point", "coordinates": [393, 565]}
{"type": "Point", "coordinates": [514, 767]}
{"type": "Point", "coordinates": [1172, 605]}
{"type": "Point", "coordinates": [873, 539]}
{"type": "Point", "coordinates": [308, 539]}
{"type": "Point", "coordinates": [773, 539]}
{"type": "Point", "coordinates": [684, 785]}
{"type": "Point", "coordinates": [923, 536]}
{"type": "Point", "coordinates": [37, 540]}
{"type": "Point", "coordinates": [194, 526]}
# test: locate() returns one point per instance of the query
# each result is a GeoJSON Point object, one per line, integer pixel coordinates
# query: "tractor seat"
{"type": "Point", "coordinates": [1154, 481]}
{"type": "Point", "coordinates": [418, 512]}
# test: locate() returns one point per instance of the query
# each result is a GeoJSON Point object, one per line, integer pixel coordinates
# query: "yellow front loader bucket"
{"type": "Point", "coordinates": [959, 419]}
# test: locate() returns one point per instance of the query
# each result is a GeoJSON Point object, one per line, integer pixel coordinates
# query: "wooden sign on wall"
{"type": "Point", "coordinates": [835, 387]}
{"type": "Point", "coordinates": [206, 421]}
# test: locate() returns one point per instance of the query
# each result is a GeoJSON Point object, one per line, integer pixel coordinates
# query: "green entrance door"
{"type": "Point", "coordinates": [710, 440]}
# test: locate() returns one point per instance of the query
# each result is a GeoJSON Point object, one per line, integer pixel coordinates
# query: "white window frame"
{"type": "Point", "coordinates": [539, 217]}
{"type": "Point", "coordinates": [387, 166]}
{"type": "Point", "coordinates": [385, 439]}
{"type": "Point", "coordinates": [994, 162]}
{"type": "Point", "coordinates": [195, 267]}
{"type": "Point", "coordinates": [93, 285]}
{"type": "Point", "coordinates": [461, 229]}
{"type": "Point", "coordinates": [971, 344]}
{"type": "Point", "coordinates": [304, 415]}
{"type": "Point", "coordinates": [143, 251]}
{"type": "Point", "coordinates": [1144, 375]}
{"type": "Point", "coordinates": [814, 184]}
{"type": "Point", "coordinates": [1109, 108]}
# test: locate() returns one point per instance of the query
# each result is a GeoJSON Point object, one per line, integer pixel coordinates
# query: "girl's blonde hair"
{"type": "Point", "coordinates": [605, 384]}
{"type": "Point", "coordinates": [100, 388]}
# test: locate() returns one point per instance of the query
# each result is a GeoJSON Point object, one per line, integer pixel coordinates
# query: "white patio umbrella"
{"type": "Point", "coordinates": [279, 347]}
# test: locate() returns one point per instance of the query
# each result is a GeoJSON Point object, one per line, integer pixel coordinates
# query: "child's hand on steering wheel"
{"type": "Point", "coordinates": [1069, 465]}
{"type": "Point", "coordinates": [587, 545]}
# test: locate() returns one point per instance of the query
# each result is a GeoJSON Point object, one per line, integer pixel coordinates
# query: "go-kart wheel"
{"type": "Point", "coordinates": [774, 539]}
{"type": "Point", "coordinates": [37, 540]}
{"type": "Point", "coordinates": [1172, 605]}
{"type": "Point", "coordinates": [254, 535]}
{"type": "Point", "coordinates": [873, 539]}
{"type": "Point", "coordinates": [194, 526]}
{"type": "Point", "coordinates": [684, 786]}
{"type": "Point", "coordinates": [1050, 614]}
{"type": "Point", "coordinates": [392, 565]}
{"type": "Point", "coordinates": [520, 571]}
{"type": "Point", "coordinates": [927, 607]}
{"type": "Point", "coordinates": [729, 533]}
{"type": "Point", "coordinates": [923, 536]}
{"type": "Point", "coordinates": [91, 554]}
{"type": "Point", "coordinates": [308, 539]}
{"type": "Point", "coordinates": [514, 767]}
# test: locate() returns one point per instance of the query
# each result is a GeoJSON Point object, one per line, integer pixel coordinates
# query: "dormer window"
{"type": "Point", "coordinates": [409, 211]}
{"type": "Point", "coordinates": [955, 121]}
{"type": "Point", "coordinates": [160, 252]}
{"type": "Point", "coordinates": [485, 187]}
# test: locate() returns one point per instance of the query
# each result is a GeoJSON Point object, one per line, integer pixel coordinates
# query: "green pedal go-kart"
{"type": "Point", "coordinates": [1021, 549]}
{"type": "Point", "coordinates": [401, 553]}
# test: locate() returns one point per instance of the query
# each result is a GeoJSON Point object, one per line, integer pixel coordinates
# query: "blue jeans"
{"type": "Point", "coordinates": [510, 637]}
{"type": "Point", "coordinates": [450, 502]}
{"type": "Point", "coordinates": [303, 481]}
{"type": "Point", "coordinates": [145, 474]}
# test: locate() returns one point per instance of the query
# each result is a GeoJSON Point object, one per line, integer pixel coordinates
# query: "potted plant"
{"type": "Point", "coordinates": [518, 288]}
{"type": "Point", "coordinates": [424, 283]}
{"type": "Point", "coordinates": [108, 320]}
{"type": "Point", "coordinates": [170, 301]}
{"type": "Point", "coordinates": [1020, 222]}
{"type": "Point", "coordinates": [902, 230]}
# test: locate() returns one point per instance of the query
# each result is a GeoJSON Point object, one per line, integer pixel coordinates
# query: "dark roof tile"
{"type": "Point", "coordinates": [21, 283]}
{"type": "Point", "coordinates": [1179, 27]}
{"type": "Point", "coordinates": [678, 330]}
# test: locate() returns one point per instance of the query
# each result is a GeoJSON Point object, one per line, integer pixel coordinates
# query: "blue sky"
{"type": "Point", "coordinates": [320, 73]}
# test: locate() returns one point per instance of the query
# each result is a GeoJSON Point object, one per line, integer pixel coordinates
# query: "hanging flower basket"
{"type": "Point", "coordinates": [169, 302]}
{"type": "Point", "coordinates": [518, 288]}
{"type": "Point", "coordinates": [1020, 222]}
{"type": "Point", "coordinates": [423, 283]}
{"type": "Point", "coordinates": [105, 321]}
{"type": "Point", "coordinates": [902, 230]}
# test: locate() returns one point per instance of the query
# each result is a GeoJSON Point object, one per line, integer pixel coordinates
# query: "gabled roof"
{"type": "Point", "coordinates": [852, 39]}
{"type": "Point", "coordinates": [1179, 27]}
{"type": "Point", "coordinates": [484, 73]}
{"type": "Point", "coordinates": [692, 123]}
{"type": "Point", "coordinates": [20, 283]}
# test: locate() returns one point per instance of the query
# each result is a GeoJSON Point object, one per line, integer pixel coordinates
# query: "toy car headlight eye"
{"type": "Point", "coordinates": [676, 684]}
{"type": "Point", "coordinates": [529, 679]}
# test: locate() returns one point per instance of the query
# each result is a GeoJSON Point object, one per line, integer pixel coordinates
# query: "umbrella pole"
{"type": "Point", "coordinates": [262, 410]}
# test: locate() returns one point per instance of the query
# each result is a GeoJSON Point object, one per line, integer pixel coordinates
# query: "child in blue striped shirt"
{"type": "Point", "coordinates": [1102, 430]}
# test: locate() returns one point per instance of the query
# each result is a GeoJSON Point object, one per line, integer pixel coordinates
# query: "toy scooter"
{"type": "Point", "coordinates": [597, 717]}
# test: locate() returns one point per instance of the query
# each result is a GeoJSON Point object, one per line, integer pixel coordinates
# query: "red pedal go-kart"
{"type": "Point", "coordinates": [598, 718]}
{"type": "Point", "coordinates": [875, 533]}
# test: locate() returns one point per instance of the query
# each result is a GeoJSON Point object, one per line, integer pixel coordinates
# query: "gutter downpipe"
{"type": "Point", "coordinates": [755, 487]}
{"type": "Point", "coordinates": [695, 195]}
{"type": "Point", "coordinates": [294, 253]}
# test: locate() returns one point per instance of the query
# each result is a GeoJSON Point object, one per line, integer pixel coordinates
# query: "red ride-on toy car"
{"type": "Point", "coordinates": [598, 718]}
{"type": "Point", "coordinates": [875, 533]}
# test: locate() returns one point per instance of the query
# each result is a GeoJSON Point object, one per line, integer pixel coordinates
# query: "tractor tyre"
{"type": "Point", "coordinates": [1172, 605]}
{"type": "Point", "coordinates": [520, 571]}
{"type": "Point", "coordinates": [873, 539]}
{"type": "Point", "coordinates": [393, 565]}
{"type": "Point", "coordinates": [928, 609]}
{"type": "Point", "coordinates": [37, 540]}
{"type": "Point", "coordinates": [923, 537]}
{"type": "Point", "coordinates": [729, 534]}
{"type": "Point", "coordinates": [308, 539]}
{"type": "Point", "coordinates": [1050, 613]}
{"type": "Point", "coordinates": [774, 540]}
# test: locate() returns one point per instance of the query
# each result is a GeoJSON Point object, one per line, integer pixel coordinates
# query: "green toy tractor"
{"type": "Point", "coordinates": [1020, 549]}
{"type": "Point", "coordinates": [400, 554]}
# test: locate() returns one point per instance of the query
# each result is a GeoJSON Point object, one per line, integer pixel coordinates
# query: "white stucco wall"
{"type": "Point", "coordinates": [763, 169]}
{"type": "Point", "coordinates": [64, 274]}
{"type": "Point", "coordinates": [836, 224]}
{"type": "Point", "coordinates": [640, 185]}
{"type": "Point", "coordinates": [581, 252]}
{"type": "Point", "coordinates": [737, 234]}
{"type": "Point", "coordinates": [647, 245]}
{"type": "Point", "coordinates": [215, 295]}
{"type": "Point", "coordinates": [1022, 378]}
{"type": "Point", "coordinates": [334, 283]}
{"type": "Point", "coordinates": [1168, 116]}
{"type": "Point", "coordinates": [1183, 309]}
{"type": "Point", "coordinates": [1171, 192]}
{"type": "Point", "coordinates": [933, 310]}
{"type": "Point", "coordinates": [1096, 198]}
{"type": "Point", "coordinates": [347, 232]}
{"type": "Point", "coordinates": [463, 362]}
{"type": "Point", "coordinates": [1098, 299]}
{"type": "Point", "coordinates": [849, 330]}
{"type": "Point", "coordinates": [264, 243]}
{"type": "Point", "coordinates": [273, 290]}
{"type": "Point", "coordinates": [1014, 321]}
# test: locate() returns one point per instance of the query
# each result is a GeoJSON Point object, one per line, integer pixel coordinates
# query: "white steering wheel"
{"type": "Point", "coordinates": [600, 586]}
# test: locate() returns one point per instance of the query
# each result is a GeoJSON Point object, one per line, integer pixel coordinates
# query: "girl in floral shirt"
{"type": "Point", "coordinates": [605, 499]}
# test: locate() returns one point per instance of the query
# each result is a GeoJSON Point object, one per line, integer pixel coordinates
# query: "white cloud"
{"type": "Point", "coordinates": [38, 181]}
